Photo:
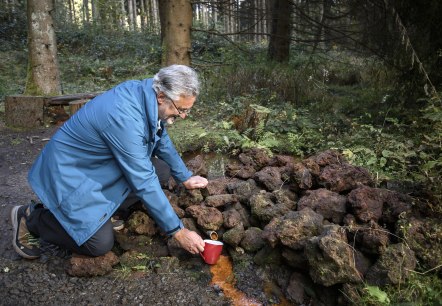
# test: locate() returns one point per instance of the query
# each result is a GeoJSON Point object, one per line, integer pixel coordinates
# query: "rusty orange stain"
{"type": "Point", "coordinates": [222, 275]}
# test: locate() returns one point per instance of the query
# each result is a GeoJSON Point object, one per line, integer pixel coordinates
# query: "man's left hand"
{"type": "Point", "coordinates": [195, 182]}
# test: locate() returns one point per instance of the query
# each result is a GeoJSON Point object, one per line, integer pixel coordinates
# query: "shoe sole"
{"type": "Point", "coordinates": [14, 212]}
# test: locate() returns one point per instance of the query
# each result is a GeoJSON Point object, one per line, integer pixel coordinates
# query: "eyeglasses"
{"type": "Point", "coordinates": [181, 111]}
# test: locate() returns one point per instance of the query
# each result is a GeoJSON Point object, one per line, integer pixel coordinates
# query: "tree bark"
{"type": "Point", "coordinates": [134, 12]}
{"type": "Point", "coordinates": [43, 76]}
{"type": "Point", "coordinates": [130, 14]}
{"type": "Point", "coordinates": [176, 23]}
{"type": "Point", "coordinates": [142, 15]}
{"type": "Point", "coordinates": [24, 111]}
{"type": "Point", "coordinates": [155, 17]}
{"type": "Point", "coordinates": [86, 11]}
{"type": "Point", "coordinates": [279, 45]}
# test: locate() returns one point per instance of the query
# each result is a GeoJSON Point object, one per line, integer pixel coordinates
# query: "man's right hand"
{"type": "Point", "coordinates": [189, 240]}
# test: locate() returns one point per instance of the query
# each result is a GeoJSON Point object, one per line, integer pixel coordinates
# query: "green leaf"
{"type": "Point", "coordinates": [387, 153]}
{"type": "Point", "coordinates": [378, 294]}
{"type": "Point", "coordinates": [226, 139]}
{"type": "Point", "coordinates": [371, 160]}
{"type": "Point", "coordinates": [348, 153]}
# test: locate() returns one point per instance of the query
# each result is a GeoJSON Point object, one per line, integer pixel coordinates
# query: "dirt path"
{"type": "Point", "coordinates": [45, 282]}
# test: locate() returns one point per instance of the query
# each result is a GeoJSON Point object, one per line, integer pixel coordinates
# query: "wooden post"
{"type": "Point", "coordinates": [24, 111]}
{"type": "Point", "coordinates": [74, 106]}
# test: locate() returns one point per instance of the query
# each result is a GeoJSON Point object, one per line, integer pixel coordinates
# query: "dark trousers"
{"type": "Point", "coordinates": [42, 223]}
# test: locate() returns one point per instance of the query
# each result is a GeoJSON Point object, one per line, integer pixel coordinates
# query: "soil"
{"type": "Point", "coordinates": [45, 282]}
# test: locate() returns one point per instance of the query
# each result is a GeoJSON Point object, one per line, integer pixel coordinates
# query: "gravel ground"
{"type": "Point", "coordinates": [45, 282]}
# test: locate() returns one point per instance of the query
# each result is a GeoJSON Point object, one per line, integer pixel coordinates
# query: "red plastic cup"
{"type": "Point", "coordinates": [212, 251]}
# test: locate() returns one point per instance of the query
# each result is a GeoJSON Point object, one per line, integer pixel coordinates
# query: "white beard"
{"type": "Point", "coordinates": [170, 120]}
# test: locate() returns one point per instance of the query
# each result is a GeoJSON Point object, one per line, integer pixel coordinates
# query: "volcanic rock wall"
{"type": "Point", "coordinates": [319, 220]}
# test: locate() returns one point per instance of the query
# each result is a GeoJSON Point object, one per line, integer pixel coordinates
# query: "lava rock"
{"type": "Point", "coordinates": [366, 203]}
{"type": "Point", "coordinates": [395, 205]}
{"type": "Point", "coordinates": [252, 240]}
{"type": "Point", "coordinates": [265, 206]}
{"type": "Point", "coordinates": [218, 185]}
{"type": "Point", "coordinates": [268, 256]}
{"type": "Point", "coordinates": [140, 223]}
{"type": "Point", "coordinates": [270, 177]}
{"type": "Point", "coordinates": [393, 267]}
{"type": "Point", "coordinates": [239, 170]}
{"type": "Point", "coordinates": [85, 266]}
{"type": "Point", "coordinates": [302, 176]}
{"type": "Point", "coordinates": [312, 167]}
{"type": "Point", "coordinates": [344, 177]}
{"type": "Point", "coordinates": [282, 161]}
{"type": "Point", "coordinates": [234, 235]}
{"type": "Point", "coordinates": [244, 213]}
{"type": "Point", "coordinates": [362, 262]}
{"type": "Point", "coordinates": [296, 289]}
{"type": "Point", "coordinates": [197, 166]}
{"type": "Point", "coordinates": [190, 197]}
{"type": "Point", "coordinates": [370, 238]}
{"type": "Point", "coordinates": [328, 157]}
{"type": "Point", "coordinates": [329, 204]}
{"type": "Point", "coordinates": [255, 157]}
{"type": "Point", "coordinates": [243, 189]}
{"type": "Point", "coordinates": [294, 228]}
{"type": "Point", "coordinates": [220, 200]}
{"type": "Point", "coordinates": [231, 218]}
{"type": "Point", "coordinates": [209, 218]}
{"type": "Point", "coordinates": [331, 258]}
{"type": "Point", "coordinates": [424, 237]}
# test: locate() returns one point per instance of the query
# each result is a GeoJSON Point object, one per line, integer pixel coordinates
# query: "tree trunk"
{"type": "Point", "coordinates": [279, 45]}
{"type": "Point", "coordinates": [43, 76]}
{"type": "Point", "coordinates": [326, 31]}
{"type": "Point", "coordinates": [156, 17]}
{"type": "Point", "coordinates": [74, 17]}
{"type": "Point", "coordinates": [95, 12]}
{"type": "Point", "coordinates": [123, 15]}
{"type": "Point", "coordinates": [130, 14]}
{"type": "Point", "coordinates": [175, 31]}
{"type": "Point", "coordinates": [255, 21]}
{"type": "Point", "coordinates": [134, 12]}
{"type": "Point", "coordinates": [86, 10]}
{"type": "Point", "coordinates": [142, 16]}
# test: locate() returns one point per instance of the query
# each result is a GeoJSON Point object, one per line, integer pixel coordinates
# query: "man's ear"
{"type": "Point", "coordinates": [160, 97]}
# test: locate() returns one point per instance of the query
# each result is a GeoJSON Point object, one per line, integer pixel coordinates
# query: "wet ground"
{"type": "Point", "coordinates": [45, 282]}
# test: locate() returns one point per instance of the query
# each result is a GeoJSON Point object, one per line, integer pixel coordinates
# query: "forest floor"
{"type": "Point", "coordinates": [45, 282]}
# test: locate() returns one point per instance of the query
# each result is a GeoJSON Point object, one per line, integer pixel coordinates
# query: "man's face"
{"type": "Point", "coordinates": [169, 110]}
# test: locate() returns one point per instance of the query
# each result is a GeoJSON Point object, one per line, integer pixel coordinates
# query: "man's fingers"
{"type": "Point", "coordinates": [200, 248]}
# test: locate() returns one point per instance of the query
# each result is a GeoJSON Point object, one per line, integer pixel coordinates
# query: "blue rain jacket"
{"type": "Point", "coordinates": [100, 155]}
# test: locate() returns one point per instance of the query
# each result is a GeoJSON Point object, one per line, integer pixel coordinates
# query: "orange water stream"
{"type": "Point", "coordinates": [222, 275]}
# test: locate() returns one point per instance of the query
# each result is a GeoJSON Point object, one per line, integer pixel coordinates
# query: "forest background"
{"type": "Point", "coordinates": [361, 77]}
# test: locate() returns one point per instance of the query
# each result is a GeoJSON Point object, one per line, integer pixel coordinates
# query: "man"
{"type": "Point", "coordinates": [101, 155]}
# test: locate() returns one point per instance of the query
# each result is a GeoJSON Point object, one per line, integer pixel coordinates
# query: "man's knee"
{"type": "Point", "coordinates": [101, 242]}
{"type": "Point", "coordinates": [98, 248]}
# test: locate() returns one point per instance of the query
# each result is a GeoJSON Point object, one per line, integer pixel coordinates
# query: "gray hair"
{"type": "Point", "coordinates": [176, 81]}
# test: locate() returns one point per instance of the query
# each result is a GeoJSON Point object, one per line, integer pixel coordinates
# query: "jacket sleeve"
{"type": "Point", "coordinates": [125, 137]}
{"type": "Point", "coordinates": [165, 150]}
